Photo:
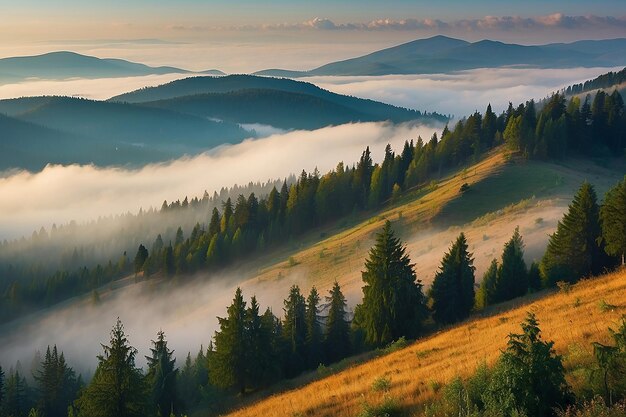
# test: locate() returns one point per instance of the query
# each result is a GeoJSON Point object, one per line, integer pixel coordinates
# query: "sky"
{"type": "Point", "coordinates": [249, 35]}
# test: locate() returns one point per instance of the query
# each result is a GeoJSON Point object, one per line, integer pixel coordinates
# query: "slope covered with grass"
{"type": "Point", "coordinates": [573, 318]}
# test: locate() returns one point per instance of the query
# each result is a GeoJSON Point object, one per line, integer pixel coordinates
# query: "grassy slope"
{"type": "Point", "coordinates": [501, 196]}
{"type": "Point", "coordinates": [573, 320]}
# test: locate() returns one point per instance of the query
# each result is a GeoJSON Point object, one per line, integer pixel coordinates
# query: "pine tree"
{"type": "Point", "coordinates": [488, 285]}
{"type": "Point", "coordinates": [534, 277]}
{"type": "Point", "coordinates": [453, 287]}
{"type": "Point", "coordinates": [294, 330]}
{"type": "Point", "coordinates": [214, 223]}
{"type": "Point", "coordinates": [337, 335]}
{"type": "Point", "coordinates": [313, 330]}
{"type": "Point", "coordinates": [56, 383]}
{"type": "Point", "coordinates": [228, 367]}
{"type": "Point", "coordinates": [16, 396]}
{"type": "Point", "coordinates": [140, 258]}
{"type": "Point", "coordinates": [162, 377]}
{"type": "Point", "coordinates": [613, 220]}
{"type": "Point", "coordinates": [573, 250]}
{"type": "Point", "coordinates": [117, 388]}
{"type": "Point", "coordinates": [512, 274]}
{"type": "Point", "coordinates": [260, 360]}
{"type": "Point", "coordinates": [529, 378]}
{"type": "Point", "coordinates": [393, 302]}
{"type": "Point", "coordinates": [169, 266]}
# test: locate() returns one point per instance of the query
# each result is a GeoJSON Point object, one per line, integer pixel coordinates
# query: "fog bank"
{"type": "Point", "coordinates": [59, 194]}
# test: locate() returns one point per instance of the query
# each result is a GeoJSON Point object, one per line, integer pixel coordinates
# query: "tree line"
{"type": "Point", "coordinates": [248, 226]}
{"type": "Point", "coordinates": [252, 350]}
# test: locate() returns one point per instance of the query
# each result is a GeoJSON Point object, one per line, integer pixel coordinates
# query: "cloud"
{"type": "Point", "coordinates": [500, 23]}
{"type": "Point", "coordinates": [463, 92]}
{"type": "Point", "coordinates": [59, 194]}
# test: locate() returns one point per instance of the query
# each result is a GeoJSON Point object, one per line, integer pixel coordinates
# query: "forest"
{"type": "Point", "coordinates": [242, 227]}
{"type": "Point", "coordinates": [252, 350]}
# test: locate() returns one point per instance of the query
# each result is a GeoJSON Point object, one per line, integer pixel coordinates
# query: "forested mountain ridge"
{"type": "Point", "coordinates": [236, 83]}
{"type": "Point", "coordinates": [441, 54]}
{"type": "Point", "coordinates": [107, 133]}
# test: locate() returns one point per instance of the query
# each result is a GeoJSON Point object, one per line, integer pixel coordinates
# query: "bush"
{"type": "Point", "coordinates": [595, 408]}
{"type": "Point", "coordinates": [394, 346]}
{"type": "Point", "coordinates": [381, 384]}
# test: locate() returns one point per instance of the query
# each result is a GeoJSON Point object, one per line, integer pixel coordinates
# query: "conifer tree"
{"type": "Point", "coordinates": [294, 330]}
{"type": "Point", "coordinates": [613, 220]}
{"type": "Point", "coordinates": [488, 285]}
{"type": "Point", "coordinates": [169, 266]}
{"type": "Point", "coordinates": [313, 330]}
{"type": "Point", "coordinates": [214, 223]}
{"type": "Point", "coordinates": [162, 377]}
{"type": "Point", "coordinates": [337, 335]}
{"type": "Point", "coordinates": [56, 384]}
{"type": "Point", "coordinates": [453, 287]}
{"type": "Point", "coordinates": [393, 302]}
{"type": "Point", "coordinates": [117, 388]}
{"type": "Point", "coordinates": [534, 277]}
{"type": "Point", "coordinates": [259, 347]}
{"type": "Point", "coordinates": [529, 378]}
{"type": "Point", "coordinates": [573, 250]}
{"type": "Point", "coordinates": [16, 396]}
{"type": "Point", "coordinates": [228, 367]}
{"type": "Point", "coordinates": [512, 274]}
{"type": "Point", "coordinates": [140, 258]}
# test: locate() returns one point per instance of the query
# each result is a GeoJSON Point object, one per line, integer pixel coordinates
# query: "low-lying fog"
{"type": "Point", "coordinates": [59, 194]}
{"type": "Point", "coordinates": [461, 93]}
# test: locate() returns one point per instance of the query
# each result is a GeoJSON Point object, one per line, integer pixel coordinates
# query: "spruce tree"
{"type": "Point", "coordinates": [529, 378]}
{"type": "Point", "coordinates": [488, 285]}
{"type": "Point", "coordinates": [337, 335]}
{"type": "Point", "coordinates": [16, 396]}
{"type": "Point", "coordinates": [613, 220]}
{"type": "Point", "coordinates": [512, 274]}
{"type": "Point", "coordinates": [228, 367]}
{"type": "Point", "coordinates": [56, 383]}
{"type": "Point", "coordinates": [294, 330]}
{"type": "Point", "coordinates": [140, 258]}
{"type": "Point", "coordinates": [313, 330]}
{"type": "Point", "coordinates": [393, 303]}
{"type": "Point", "coordinates": [117, 388]}
{"type": "Point", "coordinates": [574, 250]}
{"type": "Point", "coordinates": [260, 360]}
{"type": "Point", "coordinates": [162, 377]}
{"type": "Point", "coordinates": [453, 287]}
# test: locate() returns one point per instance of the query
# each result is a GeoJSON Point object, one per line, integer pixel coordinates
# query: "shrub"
{"type": "Point", "coordinates": [389, 407]}
{"type": "Point", "coordinates": [381, 384]}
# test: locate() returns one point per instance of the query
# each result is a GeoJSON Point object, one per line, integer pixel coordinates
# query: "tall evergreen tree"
{"type": "Point", "coordinates": [512, 274]}
{"type": "Point", "coordinates": [56, 383]}
{"type": "Point", "coordinates": [453, 287]}
{"type": "Point", "coordinates": [16, 402]}
{"type": "Point", "coordinates": [393, 302]}
{"type": "Point", "coordinates": [162, 377]}
{"type": "Point", "coordinates": [117, 388]}
{"type": "Point", "coordinates": [488, 285]}
{"type": "Point", "coordinates": [260, 358]}
{"type": "Point", "coordinates": [294, 330]}
{"type": "Point", "coordinates": [313, 330]}
{"type": "Point", "coordinates": [228, 367]}
{"type": "Point", "coordinates": [613, 220]}
{"type": "Point", "coordinates": [574, 250]}
{"type": "Point", "coordinates": [337, 335]}
{"type": "Point", "coordinates": [140, 258]}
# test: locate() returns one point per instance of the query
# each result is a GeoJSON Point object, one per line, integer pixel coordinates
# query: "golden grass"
{"type": "Point", "coordinates": [573, 320]}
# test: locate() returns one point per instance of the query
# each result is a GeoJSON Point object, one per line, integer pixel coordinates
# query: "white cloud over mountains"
{"type": "Point", "coordinates": [501, 23]}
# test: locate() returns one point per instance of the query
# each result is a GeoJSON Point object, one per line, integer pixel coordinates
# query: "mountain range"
{"type": "Point", "coordinates": [438, 54]}
{"type": "Point", "coordinates": [441, 54]}
{"type": "Point", "coordinates": [64, 65]}
{"type": "Point", "coordinates": [184, 117]}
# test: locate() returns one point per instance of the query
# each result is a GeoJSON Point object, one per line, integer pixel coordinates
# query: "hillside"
{"type": "Point", "coordinates": [429, 218]}
{"type": "Point", "coordinates": [236, 83]}
{"type": "Point", "coordinates": [572, 319]}
{"type": "Point", "coordinates": [126, 134]}
{"type": "Point", "coordinates": [441, 54]}
{"type": "Point", "coordinates": [270, 107]}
